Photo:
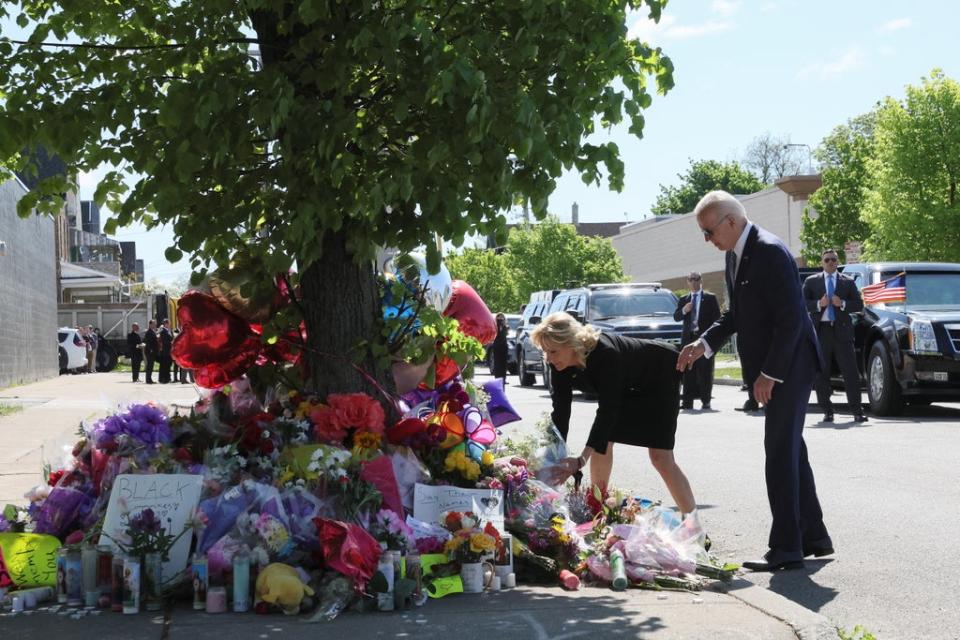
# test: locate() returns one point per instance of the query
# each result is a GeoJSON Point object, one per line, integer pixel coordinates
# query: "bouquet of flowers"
{"type": "Point", "coordinates": [388, 527]}
{"type": "Point", "coordinates": [144, 533]}
{"type": "Point", "coordinates": [469, 542]}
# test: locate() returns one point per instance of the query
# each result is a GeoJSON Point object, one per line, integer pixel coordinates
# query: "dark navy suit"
{"type": "Point", "coordinates": [775, 336]}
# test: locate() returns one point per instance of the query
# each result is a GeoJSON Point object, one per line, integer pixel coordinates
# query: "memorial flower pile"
{"type": "Point", "coordinates": [291, 477]}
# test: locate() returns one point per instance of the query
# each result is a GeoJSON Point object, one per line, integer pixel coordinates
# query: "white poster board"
{"type": "Point", "coordinates": [430, 502]}
{"type": "Point", "coordinates": [173, 499]}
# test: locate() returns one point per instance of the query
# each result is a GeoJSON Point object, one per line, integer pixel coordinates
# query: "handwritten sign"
{"type": "Point", "coordinates": [173, 499]}
{"type": "Point", "coordinates": [30, 558]}
{"type": "Point", "coordinates": [430, 503]}
{"type": "Point", "coordinates": [439, 587]}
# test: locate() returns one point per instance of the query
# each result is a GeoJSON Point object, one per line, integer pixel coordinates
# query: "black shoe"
{"type": "Point", "coordinates": [706, 406]}
{"type": "Point", "coordinates": [774, 561]}
{"type": "Point", "coordinates": [687, 405]}
{"type": "Point", "coordinates": [827, 417]}
{"type": "Point", "coordinates": [818, 550]}
{"type": "Point", "coordinates": [749, 405]}
{"type": "Point", "coordinates": [859, 417]}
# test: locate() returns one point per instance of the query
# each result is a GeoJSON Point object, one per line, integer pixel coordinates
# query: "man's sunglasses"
{"type": "Point", "coordinates": [708, 233]}
{"type": "Point", "coordinates": [830, 259]}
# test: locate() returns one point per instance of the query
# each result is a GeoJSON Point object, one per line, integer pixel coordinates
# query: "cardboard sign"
{"type": "Point", "coordinates": [431, 502]}
{"type": "Point", "coordinates": [441, 586]}
{"type": "Point", "coordinates": [173, 499]}
{"type": "Point", "coordinates": [30, 558]}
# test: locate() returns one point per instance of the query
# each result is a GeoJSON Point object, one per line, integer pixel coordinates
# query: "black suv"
{"type": "Point", "coordinates": [639, 310]}
{"type": "Point", "coordinates": [909, 352]}
{"type": "Point", "coordinates": [529, 358]}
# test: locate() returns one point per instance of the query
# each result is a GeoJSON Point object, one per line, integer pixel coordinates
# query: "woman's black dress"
{"type": "Point", "coordinates": [498, 352]}
{"type": "Point", "coordinates": [638, 387]}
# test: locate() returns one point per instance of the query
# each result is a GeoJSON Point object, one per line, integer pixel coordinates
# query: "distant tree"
{"type": "Point", "coordinates": [842, 156]}
{"type": "Point", "coordinates": [551, 255]}
{"type": "Point", "coordinates": [489, 273]}
{"type": "Point", "coordinates": [771, 157]}
{"type": "Point", "coordinates": [912, 205]}
{"type": "Point", "coordinates": [702, 177]}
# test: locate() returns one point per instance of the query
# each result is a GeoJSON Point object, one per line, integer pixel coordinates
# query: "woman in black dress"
{"type": "Point", "coordinates": [498, 352]}
{"type": "Point", "coordinates": [639, 397]}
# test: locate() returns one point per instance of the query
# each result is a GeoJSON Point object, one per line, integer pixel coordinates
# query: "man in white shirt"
{"type": "Point", "coordinates": [831, 297]}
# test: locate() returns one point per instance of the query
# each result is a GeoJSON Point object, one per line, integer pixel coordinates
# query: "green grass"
{"type": "Point", "coordinates": [858, 633]}
{"type": "Point", "coordinates": [9, 409]}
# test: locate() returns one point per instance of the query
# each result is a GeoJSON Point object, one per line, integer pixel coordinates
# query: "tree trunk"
{"type": "Point", "coordinates": [340, 302]}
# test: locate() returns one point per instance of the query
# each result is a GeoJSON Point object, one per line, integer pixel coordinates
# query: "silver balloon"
{"type": "Point", "coordinates": [437, 287]}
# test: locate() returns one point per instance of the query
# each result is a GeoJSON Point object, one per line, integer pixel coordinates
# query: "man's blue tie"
{"type": "Point", "coordinates": [831, 310]}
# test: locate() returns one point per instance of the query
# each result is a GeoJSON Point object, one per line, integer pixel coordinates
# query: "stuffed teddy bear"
{"type": "Point", "coordinates": [280, 584]}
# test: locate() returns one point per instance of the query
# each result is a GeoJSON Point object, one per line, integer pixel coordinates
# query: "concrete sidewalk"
{"type": "Point", "coordinates": [53, 409]}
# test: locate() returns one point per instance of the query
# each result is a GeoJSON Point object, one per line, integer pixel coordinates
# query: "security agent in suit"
{"type": "Point", "coordinates": [780, 357]}
{"type": "Point", "coordinates": [697, 310]}
{"type": "Point", "coordinates": [151, 347]}
{"type": "Point", "coordinates": [831, 297]}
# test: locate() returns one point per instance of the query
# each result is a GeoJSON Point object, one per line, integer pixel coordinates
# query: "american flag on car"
{"type": "Point", "coordinates": [891, 290]}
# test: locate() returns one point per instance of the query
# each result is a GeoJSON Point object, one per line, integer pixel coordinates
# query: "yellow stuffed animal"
{"type": "Point", "coordinates": [280, 584]}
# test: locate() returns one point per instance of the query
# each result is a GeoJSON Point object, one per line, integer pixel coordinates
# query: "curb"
{"type": "Point", "coordinates": [807, 624]}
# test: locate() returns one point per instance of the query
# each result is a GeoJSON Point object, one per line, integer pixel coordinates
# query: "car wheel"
{"type": "Point", "coordinates": [64, 360]}
{"type": "Point", "coordinates": [526, 379]}
{"type": "Point", "coordinates": [883, 390]}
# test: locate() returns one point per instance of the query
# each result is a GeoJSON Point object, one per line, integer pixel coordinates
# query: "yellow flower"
{"type": "Point", "coordinates": [487, 458]}
{"type": "Point", "coordinates": [481, 542]}
{"type": "Point", "coordinates": [366, 440]}
{"type": "Point", "coordinates": [286, 476]}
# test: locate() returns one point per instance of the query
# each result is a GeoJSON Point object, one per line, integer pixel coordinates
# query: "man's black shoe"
{"type": "Point", "coordinates": [817, 551]}
{"type": "Point", "coordinates": [749, 405]}
{"type": "Point", "coordinates": [774, 561]}
{"type": "Point", "coordinates": [686, 405]}
{"type": "Point", "coordinates": [827, 417]}
{"type": "Point", "coordinates": [706, 406]}
{"type": "Point", "coordinates": [859, 417]}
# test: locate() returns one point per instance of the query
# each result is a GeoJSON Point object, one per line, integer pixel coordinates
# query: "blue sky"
{"type": "Point", "coordinates": [742, 68]}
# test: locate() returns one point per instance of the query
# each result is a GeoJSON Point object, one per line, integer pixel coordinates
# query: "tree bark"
{"type": "Point", "coordinates": [340, 301]}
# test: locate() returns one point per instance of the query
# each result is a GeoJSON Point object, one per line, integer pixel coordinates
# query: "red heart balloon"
{"type": "Point", "coordinates": [471, 311]}
{"type": "Point", "coordinates": [217, 344]}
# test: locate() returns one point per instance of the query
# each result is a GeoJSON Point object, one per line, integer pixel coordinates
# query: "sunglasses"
{"type": "Point", "coordinates": [708, 233]}
{"type": "Point", "coordinates": [693, 279]}
{"type": "Point", "coordinates": [830, 259]}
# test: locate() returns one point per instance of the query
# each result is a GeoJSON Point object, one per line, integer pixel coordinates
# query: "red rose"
{"type": "Point", "coordinates": [358, 410]}
{"type": "Point", "coordinates": [55, 477]}
{"type": "Point", "coordinates": [183, 455]}
{"type": "Point", "coordinates": [327, 425]}
{"type": "Point", "coordinates": [452, 521]}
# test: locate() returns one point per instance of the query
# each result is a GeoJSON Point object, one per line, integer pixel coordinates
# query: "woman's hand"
{"type": "Point", "coordinates": [558, 473]}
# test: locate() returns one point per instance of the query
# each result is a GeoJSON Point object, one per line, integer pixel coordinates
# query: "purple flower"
{"type": "Point", "coordinates": [145, 522]}
{"type": "Point", "coordinates": [143, 423]}
{"type": "Point", "coordinates": [4, 523]}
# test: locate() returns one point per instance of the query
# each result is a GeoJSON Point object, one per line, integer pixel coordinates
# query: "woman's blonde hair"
{"type": "Point", "coordinates": [563, 330]}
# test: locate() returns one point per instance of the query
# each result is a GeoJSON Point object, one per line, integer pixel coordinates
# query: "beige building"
{"type": "Point", "coordinates": [666, 250]}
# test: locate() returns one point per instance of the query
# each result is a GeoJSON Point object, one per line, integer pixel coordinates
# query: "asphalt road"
{"type": "Point", "coordinates": [889, 490]}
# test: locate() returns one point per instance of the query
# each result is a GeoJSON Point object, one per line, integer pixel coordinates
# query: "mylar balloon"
{"type": "Point", "coordinates": [500, 409]}
{"type": "Point", "coordinates": [217, 344]}
{"type": "Point", "coordinates": [438, 287]}
{"type": "Point", "coordinates": [469, 309]}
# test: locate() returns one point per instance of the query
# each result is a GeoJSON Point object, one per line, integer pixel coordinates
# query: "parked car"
{"type": "Point", "coordinates": [513, 322]}
{"type": "Point", "coordinates": [639, 310]}
{"type": "Point", "coordinates": [529, 358]}
{"type": "Point", "coordinates": [909, 352]}
{"type": "Point", "coordinates": [72, 349]}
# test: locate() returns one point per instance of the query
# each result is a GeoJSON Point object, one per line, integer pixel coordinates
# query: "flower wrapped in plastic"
{"type": "Point", "coordinates": [142, 424]}
{"type": "Point", "coordinates": [349, 549]}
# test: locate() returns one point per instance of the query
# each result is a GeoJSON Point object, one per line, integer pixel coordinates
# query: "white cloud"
{"type": "Point", "coordinates": [668, 29]}
{"type": "Point", "coordinates": [894, 25]}
{"type": "Point", "coordinates": [725, 7]}
{"type": "Point", "coordinates": [851, 59]}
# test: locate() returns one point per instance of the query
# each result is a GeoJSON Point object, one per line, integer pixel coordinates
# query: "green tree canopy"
{"type": "Point", "coordinates": [912, 205]}
{"type": "Point", "coordinates": [702, 177]}
{"type": "Point", "coordinates": [839, 202]}
{"type": "Point", "coordinates": [551, 255]}
{"type": "Point", "coordinates": [548, 255]}
{"type": "Point", "coordinates": [490, 274]}
{"type": "Point", "coordinates": [269, 131]}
